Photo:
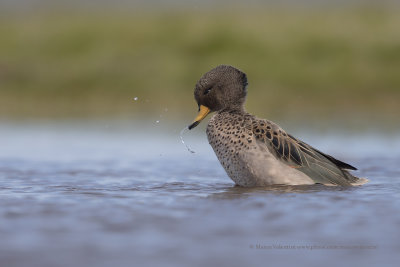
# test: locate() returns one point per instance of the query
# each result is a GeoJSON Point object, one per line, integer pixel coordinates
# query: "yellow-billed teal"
{"type": "Point", "coordinates": [254, 151]}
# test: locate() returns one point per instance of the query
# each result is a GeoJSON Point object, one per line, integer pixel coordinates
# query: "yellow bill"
{"type": "Point", "coordinates": [203, 112]}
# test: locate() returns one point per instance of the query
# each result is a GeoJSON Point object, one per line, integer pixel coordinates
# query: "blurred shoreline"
{"type": "Point", "coordinates": [332, 64]}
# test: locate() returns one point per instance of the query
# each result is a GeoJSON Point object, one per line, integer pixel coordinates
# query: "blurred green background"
{"type": "Point", "coordinates": [326, 62]}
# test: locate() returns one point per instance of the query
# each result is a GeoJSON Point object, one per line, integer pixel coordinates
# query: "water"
{"type": "Point", "coordinates": [78, 194]}
{"type": "Point", "coordinates": [184, 130]}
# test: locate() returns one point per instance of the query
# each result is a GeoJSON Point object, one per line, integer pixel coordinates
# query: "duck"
{"type": "Point", "coordinates": [258, 152]}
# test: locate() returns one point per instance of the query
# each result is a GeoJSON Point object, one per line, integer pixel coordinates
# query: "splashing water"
{"type": "Point", "coordinates": [135, 98]}
{"type": "Point", "coordinates": [183, 142]}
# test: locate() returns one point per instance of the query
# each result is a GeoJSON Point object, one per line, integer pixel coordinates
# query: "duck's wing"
{"type": "Point", "coordinates": [320, 167]}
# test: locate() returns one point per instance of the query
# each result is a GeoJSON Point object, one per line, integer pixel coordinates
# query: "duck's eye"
{"type": "Point", "coordinates": [207, 91]}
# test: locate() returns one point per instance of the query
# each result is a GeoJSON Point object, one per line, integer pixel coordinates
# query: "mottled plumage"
{"type": "Point", "coordinates": [257, 152]}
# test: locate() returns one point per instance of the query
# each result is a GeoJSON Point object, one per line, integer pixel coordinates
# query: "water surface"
{"type": "Point", "coordinates": [78, 194]}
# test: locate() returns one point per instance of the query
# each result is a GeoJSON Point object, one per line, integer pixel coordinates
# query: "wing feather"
{"type": "Point", "coordinates": [320, 167]}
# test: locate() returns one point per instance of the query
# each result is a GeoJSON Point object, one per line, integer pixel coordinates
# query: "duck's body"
{"type": "Point", "coordinates": [247, 161]}
{"type": "Point", "coordinates": [257, 152]}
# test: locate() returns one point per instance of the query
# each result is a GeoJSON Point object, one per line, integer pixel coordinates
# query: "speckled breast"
{"type": "Point", "coordinates": [229, 134]}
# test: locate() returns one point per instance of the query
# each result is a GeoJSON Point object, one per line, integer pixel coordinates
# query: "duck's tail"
{"type": "Point", "coordinates": [360, 181]}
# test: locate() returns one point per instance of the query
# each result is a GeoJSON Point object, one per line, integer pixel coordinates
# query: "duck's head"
{"type": "Point", "coordinates": [222, 88]}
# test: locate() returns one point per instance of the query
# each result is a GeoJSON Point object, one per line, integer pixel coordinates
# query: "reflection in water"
{"type": "Point", "coordinates": [240, 192]}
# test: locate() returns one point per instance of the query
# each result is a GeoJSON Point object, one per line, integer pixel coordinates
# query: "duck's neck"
{"type": "Point", "coordinates": [234, 109]}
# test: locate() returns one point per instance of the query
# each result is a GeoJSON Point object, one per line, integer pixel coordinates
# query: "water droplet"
{"type": "Point", "coordinates": [135, 98]}
{"type": "Point", "coordinates": [183, 142]}
{"type": "Point", "coordinates": [157, 121]}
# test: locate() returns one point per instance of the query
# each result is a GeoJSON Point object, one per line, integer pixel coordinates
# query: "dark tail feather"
{"type": "Point", "coordinates": [340, 164]}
